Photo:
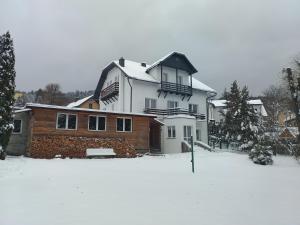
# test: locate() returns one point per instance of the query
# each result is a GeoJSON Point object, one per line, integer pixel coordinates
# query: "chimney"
{"type": "Point", "coordinates": [122, 62]}
{"type": "Point", "coordinates": [143, 64]}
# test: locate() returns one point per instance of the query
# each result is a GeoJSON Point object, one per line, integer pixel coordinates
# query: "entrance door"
{"type": "Point", "coordinates": [154, 137]}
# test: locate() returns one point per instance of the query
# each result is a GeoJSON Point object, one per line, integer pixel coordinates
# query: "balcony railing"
{"type": "Point", "coordinates": [110, 91]}
{"type": "Point", "coordinates": [174, 111]}
{"type": "Point", "coordinates": [176, 88]}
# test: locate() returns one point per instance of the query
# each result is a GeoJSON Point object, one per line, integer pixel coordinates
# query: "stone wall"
{"type": "Point", "coordinates": [48, 146]}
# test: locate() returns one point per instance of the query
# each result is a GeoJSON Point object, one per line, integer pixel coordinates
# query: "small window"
{"type": "Point", "coordinates": [90, 105]}
{"type": "Point", "coordinates": [124, 124]}
{"type": "Point", "coordinates": [193, 108]}
{"type": "Point", "coordinates": [66, 121]}
{"type": "Point", "coordinates": [97, 123]}
{"type": "Point", "coordinates": [171, 132]}
{"type": "Point", "coordinates": [17, 126]}
{"type": "Point", "coordinates": [172, 104]}
{"type": "Point", "coordinates": [150, 103]}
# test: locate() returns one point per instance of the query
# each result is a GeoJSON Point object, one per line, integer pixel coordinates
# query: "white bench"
{"type": "Point", "coordinates": [100, 153]}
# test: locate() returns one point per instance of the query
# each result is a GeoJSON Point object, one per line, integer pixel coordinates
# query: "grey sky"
{"type": "Point", "coordinates": [70, 41]}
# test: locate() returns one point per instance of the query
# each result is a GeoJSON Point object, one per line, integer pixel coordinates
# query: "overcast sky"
{"type": "Point", "coordinates": [70, 41]}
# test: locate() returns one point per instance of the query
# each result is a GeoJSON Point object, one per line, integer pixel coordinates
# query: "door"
{"type": "Point", "coordinates": [187, 133]}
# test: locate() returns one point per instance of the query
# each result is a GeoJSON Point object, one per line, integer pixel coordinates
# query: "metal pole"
{"type": "Point", "coordinates": [192, 150]}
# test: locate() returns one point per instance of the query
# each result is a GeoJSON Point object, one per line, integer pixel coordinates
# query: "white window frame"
{"type": "Point", "coordinates": [193, 105]}
{"type": "Point", "coordinates": [97, 123]}
{"type": "Point", "coordinates": [124, 124]}
{"type": "Point", "coordinates": [20, 127]}
{"type": "Point", "coordinates": [67, 121]}
{"type": "Point", "coordinates": [186, 138]}
{"type": "Point", "coordinates": [169, 101]}
{"type": "Point", "coordinates": [172, 128]}
{"type": "Point", "coordinates": [151, 100]}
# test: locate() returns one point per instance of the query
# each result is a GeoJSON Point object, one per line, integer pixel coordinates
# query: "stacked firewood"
{"type": "Point", "coordinates": [48, 146]}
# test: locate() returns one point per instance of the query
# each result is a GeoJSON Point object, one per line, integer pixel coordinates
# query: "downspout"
{"type": "Point", "coordinates": [209, 97]}
{"type": "Point", "coordinates": [130, 94]}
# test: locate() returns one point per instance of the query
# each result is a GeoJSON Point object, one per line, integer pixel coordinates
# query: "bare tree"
{"type": "Point", "coordinates": [293, 81]}
{"type": "Point", "coordinates": [51, 95]}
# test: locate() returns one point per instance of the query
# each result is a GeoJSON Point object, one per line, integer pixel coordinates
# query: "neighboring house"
{"type": "Point", "coordinates": [165, 88]}
{"type": "Point", "coordinates": [290, 120]}
{"type": "Point", "coordinates": [289, 134]}
{"type": "Point", "coordinates": [44, 131]}
{"type": "Point", "coordinates": [88, 103]}
{"type": "Point", "coordinates": [218, 107]}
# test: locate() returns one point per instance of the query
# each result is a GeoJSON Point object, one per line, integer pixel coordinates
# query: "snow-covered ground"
{"type": "Point", "coordinates": [227, 188]}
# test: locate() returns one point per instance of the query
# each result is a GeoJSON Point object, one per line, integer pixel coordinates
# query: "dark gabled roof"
{"type": "Point", "coordinates": [175, 60]}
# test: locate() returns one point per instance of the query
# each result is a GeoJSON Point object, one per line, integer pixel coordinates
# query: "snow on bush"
{"type": "Point", "coordinates": [261, 155]}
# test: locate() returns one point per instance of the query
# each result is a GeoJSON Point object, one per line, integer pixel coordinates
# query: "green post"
{"type": "Point", "coordinates": [192, 150]}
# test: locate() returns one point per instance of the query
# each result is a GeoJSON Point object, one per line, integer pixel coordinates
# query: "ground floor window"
{"type": "Point", "coordinates": [17, 126]}
{"type": "Point", "coordinates": [97, 123]}
{"type": "Point", "coordinates": [187, 133]}
{"type": "Point", "coordinates": [171, 132]}
{"type": "Point", "coordinates": [124, 124]}
{"type": "Point", "coordinates": [66, 121]}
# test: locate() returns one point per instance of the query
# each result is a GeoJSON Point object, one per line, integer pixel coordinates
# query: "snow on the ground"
{"type": "Point", "coordinates": [226, 189]}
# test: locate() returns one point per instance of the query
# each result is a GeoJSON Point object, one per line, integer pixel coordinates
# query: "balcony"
{"type": "Point", "coordinates": [110, 92]}
{"type": "Point", "coordinates": [176, 88]}
{"type": "Point", "coordinates": [174, 111]}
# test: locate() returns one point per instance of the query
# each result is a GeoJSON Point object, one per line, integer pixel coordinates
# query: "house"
{"type": "Point", "coordinates": [165, 88]}
{"type": "Point", "coordinates": [289, 134]}
{"type": "Point", "coordinates": [218, 107]}
{"type": "Point", "coordinates": [45, 131]}
{"type": "Point", "coordinates": [87, 103]}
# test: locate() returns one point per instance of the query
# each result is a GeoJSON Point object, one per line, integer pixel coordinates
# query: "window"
{"type": "Point", "coordinates": [150, 103]}
{"type": "Point", "coordinates": [124, 124]}
{"type": "Point", "coordinates": [17, 127]}
{"type": "Point", "coordinates": [97, 123]}
{"type": "Point", "coordinates": [198, 138]}
{"type": "Point", "coordinates": [187, 133]}
{"type": "Point", "coordinates": [193, 108]}
{"type": "Point", "coordinates": [179, 80]}
{"type": "Point", "coordinates": [165, 77]}
{"type": "Point", "coordinates": [172, 104]}
{"type": "Point", "coordinates": [90, 105]}
{"type": "Point", "coordinates": [66, 121]}
{"type": "Point", "coordinates": [171, 132]}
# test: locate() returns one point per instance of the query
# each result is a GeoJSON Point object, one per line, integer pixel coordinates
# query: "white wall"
{"type": "Point", "coordinates": [173, 145]}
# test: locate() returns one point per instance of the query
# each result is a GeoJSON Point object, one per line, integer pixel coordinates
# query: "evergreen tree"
{"type": "Point", "coordinates": [249, 121]}
{"type": "Point", "coordinates": [7, 89]}
{"type": "Point", "coordinates": [232, 121]}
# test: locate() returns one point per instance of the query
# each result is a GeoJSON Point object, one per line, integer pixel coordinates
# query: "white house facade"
{"type": "Point", "coordinates": [165, 88]}
{"type": "Point", "coordinates": [216, 107]}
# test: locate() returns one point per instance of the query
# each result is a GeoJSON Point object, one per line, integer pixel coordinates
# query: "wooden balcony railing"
{"type": "Point", "coordinates": [176, 88]}
{"type": "Point", "coordinates": [110, 91]}
{"type": "Point", "coordinates": [174, 111]}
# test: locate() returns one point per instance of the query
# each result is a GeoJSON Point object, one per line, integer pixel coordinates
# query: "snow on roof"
{"type": "Point", "coordinates": [222, 103]}
{"type": "Point", "coordinates": [22, 110]}
{"type": "Point", "coordinates": [263, 111]}
{"type": "Point", "coordinates": [219, 103]}
{"type": "Point", "coordinates": [136, 71]}
{"type": "Point", "coordinates": [160, 60]}
{"type": "Point", "coordinates": [200, 86]}
{"type": "Point", "coordinates": [293, 131]}
{"type": "Point", "coordinates": [37, 105]}
{"type": "Point", "coordinates": [79, 102]}
{"type": "Point", "coordinates": [255, 102]}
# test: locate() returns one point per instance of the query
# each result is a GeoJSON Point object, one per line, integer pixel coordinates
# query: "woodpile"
{"type": "Point", "coordinates": [49, 146]}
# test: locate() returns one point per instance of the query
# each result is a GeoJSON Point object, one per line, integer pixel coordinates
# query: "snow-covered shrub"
{"type": "Point", "coordinates": [261, 155]}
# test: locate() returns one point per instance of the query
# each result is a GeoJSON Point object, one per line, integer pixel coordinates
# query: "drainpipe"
{"type": "Point", "coordinates": [209, 97]}
{"type": "Point", "coordinates": [130, 94]}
